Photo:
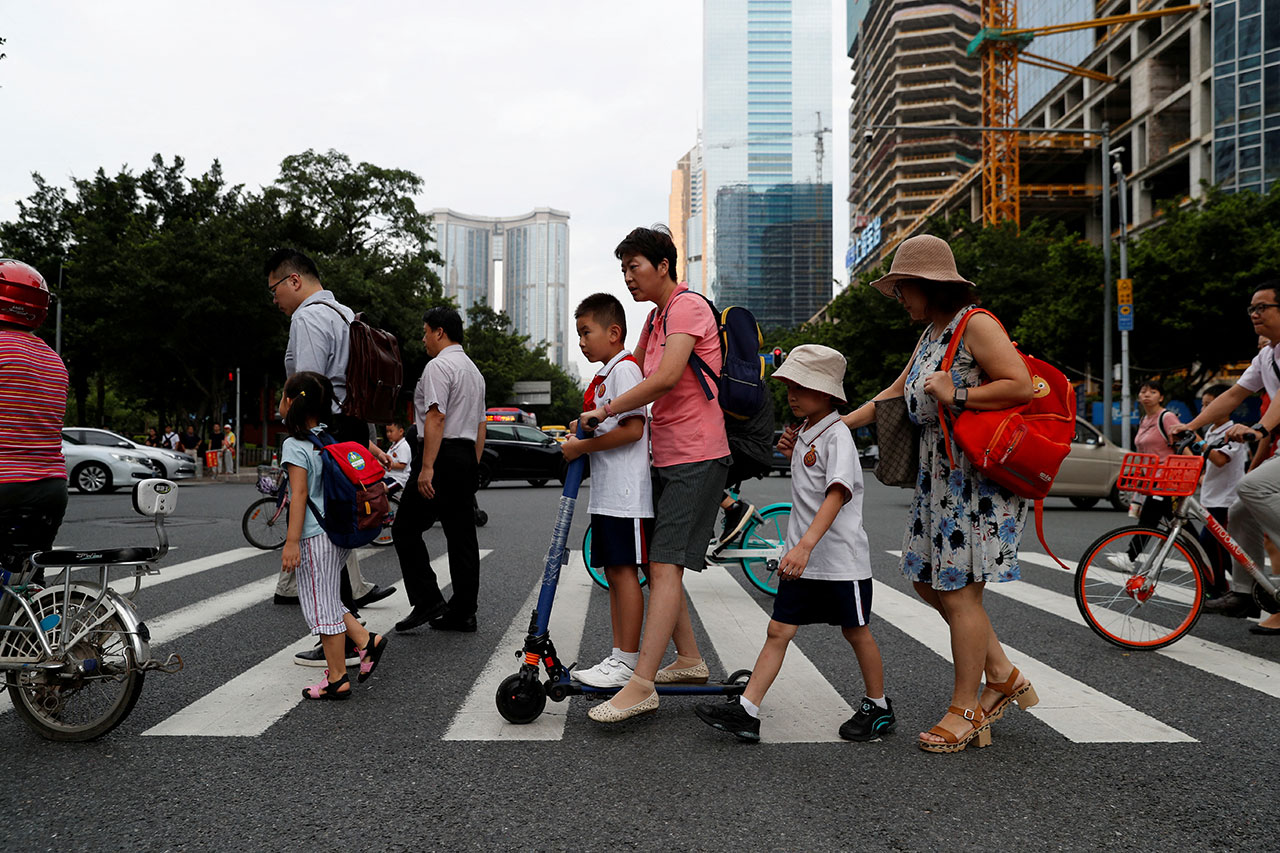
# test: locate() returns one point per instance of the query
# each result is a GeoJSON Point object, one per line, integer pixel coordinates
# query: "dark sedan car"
{"type": "Point", "coordinates": [868, 451]}
{"type": "Point", "coordinates": [520, 452]}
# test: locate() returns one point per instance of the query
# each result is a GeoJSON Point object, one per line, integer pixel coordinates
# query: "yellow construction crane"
{"type": "Point", "coordinates": [1001, 45]}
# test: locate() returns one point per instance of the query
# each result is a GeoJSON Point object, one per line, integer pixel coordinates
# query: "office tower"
{"type": "Point", "coordinates": [534, 251]}
{"type": "Point", "coordinates": [766, 108]}
{"type": "Point", "coordinates": [1246, 94]}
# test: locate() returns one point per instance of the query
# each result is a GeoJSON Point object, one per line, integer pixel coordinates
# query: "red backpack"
{"type": "Point", "coordinates": [1022, 447]}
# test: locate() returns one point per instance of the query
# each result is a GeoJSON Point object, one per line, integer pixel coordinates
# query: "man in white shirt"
{"type": "Point", "coordinates": [447, 445]}
{"type": "Point", "coordinates": [1257, 506]}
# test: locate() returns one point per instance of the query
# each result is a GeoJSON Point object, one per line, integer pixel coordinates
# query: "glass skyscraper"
{"type": "Point", "coordinates": [766, 105]}
{"type": "Point", "coordinates": [534, 251]}
{"type": "Point", "coordinates": [1246, 93]}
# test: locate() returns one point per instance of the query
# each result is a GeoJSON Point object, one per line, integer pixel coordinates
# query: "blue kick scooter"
{"type": "Point", "coordinates": [522, 696]}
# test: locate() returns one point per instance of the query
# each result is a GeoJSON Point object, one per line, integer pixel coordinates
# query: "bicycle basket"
{"type": "Point", "coordinates": [1146, 473]}
{"type": "Point", "coordinates": [269, 478]}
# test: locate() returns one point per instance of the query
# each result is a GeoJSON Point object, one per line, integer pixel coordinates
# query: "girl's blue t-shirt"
{"type": "Point", "coordinates": [305, 456]}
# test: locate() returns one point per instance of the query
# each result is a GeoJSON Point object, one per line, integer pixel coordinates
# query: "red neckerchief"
{"type": "Point", "coordinates": [589, 398]}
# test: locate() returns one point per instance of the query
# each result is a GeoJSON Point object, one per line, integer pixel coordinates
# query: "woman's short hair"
{"type": "Point", "coordinates": [1154, 385]}
{"type": "Point", "coordinates": [654, 243]}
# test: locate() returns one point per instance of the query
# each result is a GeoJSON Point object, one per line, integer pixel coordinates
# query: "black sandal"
{"type": "Point", "coordinates": [327, 690]}
{"type": "Point", "coordinates": [370, 655]}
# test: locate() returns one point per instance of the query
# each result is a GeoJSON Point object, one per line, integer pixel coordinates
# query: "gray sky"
{"type": "Point", "coordinates": [499, 106]}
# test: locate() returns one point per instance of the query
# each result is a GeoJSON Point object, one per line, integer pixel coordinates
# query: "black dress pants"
{"type": "Point", "coordinates": [453, 506]}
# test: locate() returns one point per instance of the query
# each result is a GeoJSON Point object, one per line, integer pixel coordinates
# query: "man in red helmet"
{"type": "Point", "coordinates": [33, 402]}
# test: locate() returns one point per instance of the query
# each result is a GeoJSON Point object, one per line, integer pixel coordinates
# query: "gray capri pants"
{"type": "Point", "coordinates": [686, 499]}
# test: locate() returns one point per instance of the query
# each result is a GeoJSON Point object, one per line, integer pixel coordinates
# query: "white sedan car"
{"type": "Point", "coordinates": [92, 469]}
{"type": "Point", "coordinates": [169, 464]}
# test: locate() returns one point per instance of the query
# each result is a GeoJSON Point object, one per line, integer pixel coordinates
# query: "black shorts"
{"type": "Point", "coordinates": [619, 541]}
{"type": "Point", "coordinates": [806, 601]}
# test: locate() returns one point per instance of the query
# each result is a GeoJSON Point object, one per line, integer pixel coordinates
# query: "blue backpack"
{"type": "Point", "coordinates": [740, 383]}
{"type": "Point", "coordinates": [355, 497]}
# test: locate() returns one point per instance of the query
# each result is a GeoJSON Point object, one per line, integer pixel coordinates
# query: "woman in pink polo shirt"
{"type": "Point", "coordinates": [690, 460]}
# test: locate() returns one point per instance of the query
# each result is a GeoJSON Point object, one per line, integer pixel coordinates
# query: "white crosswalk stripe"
{"type": "Point", "coordinates": [250, 703]}
{"type": "Point", "coordinates": [478, 718]}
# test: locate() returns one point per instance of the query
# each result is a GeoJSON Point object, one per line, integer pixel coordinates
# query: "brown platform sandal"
{"type": "Point", "coordinates": [1025, 695]}
{"type": "Point", "coordinates": [954, 743]}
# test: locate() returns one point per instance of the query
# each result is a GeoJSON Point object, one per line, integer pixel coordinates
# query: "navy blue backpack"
{"type": "Point", "coordinates": [355, 498]}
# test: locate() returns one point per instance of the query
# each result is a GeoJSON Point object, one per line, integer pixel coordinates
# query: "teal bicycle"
{"type": "Point", "coordinates": [758, 549]}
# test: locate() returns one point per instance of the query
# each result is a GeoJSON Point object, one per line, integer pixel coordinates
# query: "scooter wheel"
{"type": "Point", "coordinates": [739, 676]}
{"type": "Point", "coordinates": [520, 700]}
{"type": "Point", "coordinates": [482, 518]}
{"type": "Point", "coordinates": [1264, 599]}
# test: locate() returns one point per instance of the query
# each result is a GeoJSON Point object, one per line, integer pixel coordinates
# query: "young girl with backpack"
{"type": "Point", "coordinates": [318, 561]}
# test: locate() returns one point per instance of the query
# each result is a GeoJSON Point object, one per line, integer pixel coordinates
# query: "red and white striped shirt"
{"type": "Point", "coordinates": [33, 403]}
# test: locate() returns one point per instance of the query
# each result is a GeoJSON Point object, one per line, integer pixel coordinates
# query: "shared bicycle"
{"type": "Point", "coordinates": [75, 652]}
{"type": "Point", "coordinates": [1142, 587]}
{"type": "Point", "coordinates": [266, 522]}
{"type": "Point", "coordinates": [757, 549]}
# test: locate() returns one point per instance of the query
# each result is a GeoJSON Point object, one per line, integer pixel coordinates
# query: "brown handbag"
{"type": "Point", "coordinates": [899, 442]}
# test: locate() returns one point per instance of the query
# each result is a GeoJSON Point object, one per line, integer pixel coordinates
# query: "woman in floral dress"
{"type": "Point", "coordinates": [964, 529]}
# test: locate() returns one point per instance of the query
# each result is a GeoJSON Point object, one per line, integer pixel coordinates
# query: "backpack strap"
{"type": "Point", "coordinates": [701, 369]}
{"type": "Point", "coordinates": [320, 442]}
{"type": "Point", "coordinates": [1164, 430]}
{"type": "Point", "coordinates": [335, 310]}
{"type": "Point", "coordinates": [945, 366]}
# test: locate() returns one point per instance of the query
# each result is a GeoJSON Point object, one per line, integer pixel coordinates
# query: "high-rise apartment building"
{"type": "Point", "coordinates": [766, 106]}
{"type": "Point", "coordinates": [909, 68]}
{"type": "Point", "coordinates": [534, 252]}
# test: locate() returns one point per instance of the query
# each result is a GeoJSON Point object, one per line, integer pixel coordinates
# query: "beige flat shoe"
{"type": "Point", "coordinates": [605, 712]}
{"type": "Point", "coordinates": [696, 674]}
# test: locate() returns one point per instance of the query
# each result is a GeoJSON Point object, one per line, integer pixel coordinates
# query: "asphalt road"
{"type": "Point", "coordinates": [413, 763]}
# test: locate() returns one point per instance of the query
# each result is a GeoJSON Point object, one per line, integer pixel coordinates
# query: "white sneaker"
{"type": "Point", "coordinates": [610, 672]}
{"type": "Point", "coordinates": [1123, 562]}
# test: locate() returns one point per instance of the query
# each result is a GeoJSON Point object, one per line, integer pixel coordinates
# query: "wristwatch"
{"type": "Point", "coordinates": [961, 399]}
{"type": "Point", "coordinates": [1258, 427]}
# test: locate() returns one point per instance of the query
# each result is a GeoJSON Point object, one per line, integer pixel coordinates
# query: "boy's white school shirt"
{"type": "Point", "coordinates": [825, 455]}
{"type": "Point", "coordinates": [620, 483]}
{"type": "Point", "coordinates": [400, 452]}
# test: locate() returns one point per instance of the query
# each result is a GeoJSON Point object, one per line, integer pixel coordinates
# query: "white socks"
{"type": "Point", "coordinates": [629, 658]}
{"type": "Point", "coordinates": [753, 710]}
{"type": "Point", "coordinates": [880, 703]}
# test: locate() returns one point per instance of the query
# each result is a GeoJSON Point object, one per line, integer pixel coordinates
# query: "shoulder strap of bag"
{"type": "Point", "coordinates": [1164, 430]}
{"type": "Point", "coordinates": [701, 369]}
{"type": "Point", "coordinates": [335, 310]}
{"type": "Point", "coordinates": [1040, 533]}
{"type": "Point", "coordinates": [945, 366]}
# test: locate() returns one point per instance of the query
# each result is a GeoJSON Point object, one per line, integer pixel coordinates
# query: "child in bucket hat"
{"type": "Point", "coordinates": [825, 574]}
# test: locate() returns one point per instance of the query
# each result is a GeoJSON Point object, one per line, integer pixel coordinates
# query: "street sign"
{"type": "Point", "coordinates": [1124, 304]}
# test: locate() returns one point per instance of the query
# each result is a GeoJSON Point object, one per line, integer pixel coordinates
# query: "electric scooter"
{"type": "Point", "coordinates": [522, 696]}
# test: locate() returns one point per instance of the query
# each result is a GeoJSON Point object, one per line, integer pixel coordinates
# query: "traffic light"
{"type": "Point", "coordinates": [777, 356]}
{"type": "Point", "coordinates": [231, 376]}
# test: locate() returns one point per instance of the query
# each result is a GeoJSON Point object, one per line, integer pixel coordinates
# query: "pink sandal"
{"type": "Point", "coordinates": [370, 655]}
{"type": "Point", "coordinates": [329, 690]}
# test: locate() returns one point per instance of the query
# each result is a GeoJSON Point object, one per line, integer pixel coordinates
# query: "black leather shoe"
{"type": "Point", "coordinates": [420, 616]}
{"type": "Point", "coordinates": [377, 593]}
{"type": "Point", "coordinates": [286, 599]}
{"type": "Point", "coordinates": [453, 622]}
{"type": "Point", "coordinates": [1233, 604]}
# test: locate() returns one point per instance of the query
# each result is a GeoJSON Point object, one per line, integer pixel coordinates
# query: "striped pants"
{"type": "Point", "coordinates": [319, 581]}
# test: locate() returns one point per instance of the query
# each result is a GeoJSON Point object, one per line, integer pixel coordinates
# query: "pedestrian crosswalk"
{"type": "Point", "coordinates": [804, 705]}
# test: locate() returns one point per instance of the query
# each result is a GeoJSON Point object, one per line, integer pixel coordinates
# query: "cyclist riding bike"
{"type": "Point", "coordinates": [1257, 507]}
{"type": "Point", "coordinates": [33, 403]}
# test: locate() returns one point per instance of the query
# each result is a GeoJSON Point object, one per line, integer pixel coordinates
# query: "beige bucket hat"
{"type": "Point", "coordinates": [922, 256]}
{"type": "Point", "coordinates": [816, 367]}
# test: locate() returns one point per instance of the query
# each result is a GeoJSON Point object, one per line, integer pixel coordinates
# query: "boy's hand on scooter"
{"type": "Point", "coordinates": [794, 563]}
{"type": "Point", "coordinates": [572, 448]}
{"type": "Point", "coordinates": [291, 557]}
{"type": "Point", "coordinates": [590, 420]}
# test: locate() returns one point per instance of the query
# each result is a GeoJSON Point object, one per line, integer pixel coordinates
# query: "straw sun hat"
{"type": "Point", "coordinates": [923, 256]}
{"type": "Point", "coordinates": [815, 367]}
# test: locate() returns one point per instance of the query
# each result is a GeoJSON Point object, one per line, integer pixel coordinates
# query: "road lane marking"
{"type": "Point", "coordinates": [478, 718]}
{"type": "Point", "coordinates": [250, 703]}
{"type": "Point", "coordinates": [802, 706]}
{"type": "Point", "coordinates": [1244, 669]}
{"type": "Point", "coordinates": [1177, 594]}
{"type": "Point", "coordinates": [1079, 712]}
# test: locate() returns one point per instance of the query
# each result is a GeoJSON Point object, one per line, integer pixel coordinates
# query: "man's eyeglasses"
{"type": "Point", "coordinates": [1257, 309]}
{"type": "Point", "coordinates": [272, 287]}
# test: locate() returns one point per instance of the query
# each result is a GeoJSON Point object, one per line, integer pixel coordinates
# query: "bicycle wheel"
{"type": "Point", "coordinates": [1132, 601]}
{"type": "Point", "coordinates": [265, 524]}
{"type": "Point", "coordinates": [385, 537]}
{"type": "Point", "coordinates": [98, 693]}
{"type": "Point", "coordinates": [597, 575]}
{"type": "Point", "coordinates": [768, 534]}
